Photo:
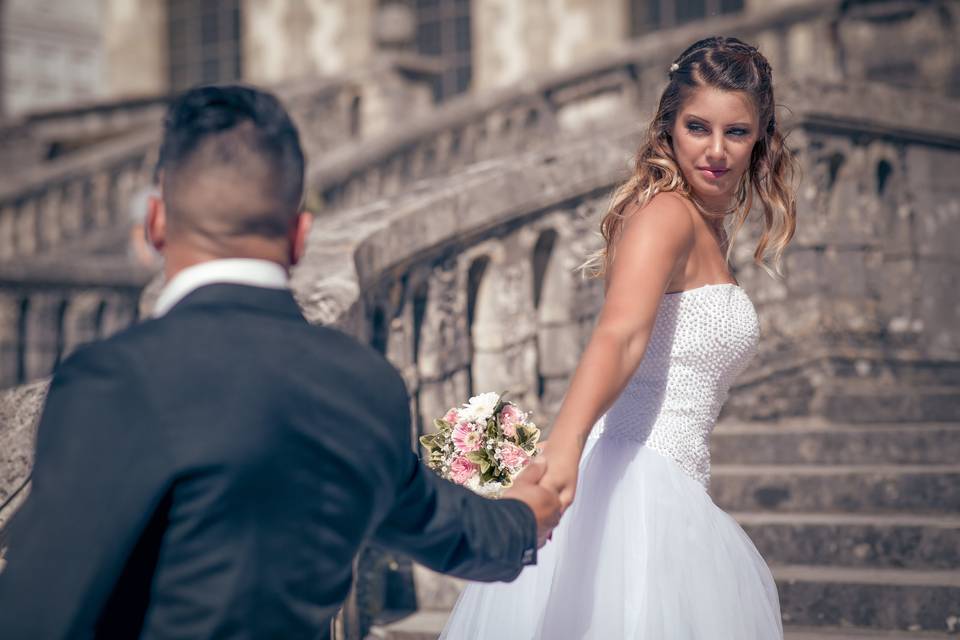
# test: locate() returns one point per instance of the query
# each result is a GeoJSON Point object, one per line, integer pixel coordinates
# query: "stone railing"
{"type": "Point", "coordinates": [532, 113]}
{"type": "Point", "coordinates": [47, 312]}
{"type": "Point", "coordinates": [60, 201]}
{"type": "Point", "coordinates": [44, 135]}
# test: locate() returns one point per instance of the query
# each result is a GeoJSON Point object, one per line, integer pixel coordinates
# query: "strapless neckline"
{"type": "Point", "coordinates": [704, 287]}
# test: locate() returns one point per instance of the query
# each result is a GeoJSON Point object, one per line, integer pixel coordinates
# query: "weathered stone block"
{"type": "Point", "coordinates": [859, 489]}
{"type": "Point", "coordinates": [558, 350]}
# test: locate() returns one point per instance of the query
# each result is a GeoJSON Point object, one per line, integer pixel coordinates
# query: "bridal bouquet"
{"type": "Point", "coordinates": [482, 445]}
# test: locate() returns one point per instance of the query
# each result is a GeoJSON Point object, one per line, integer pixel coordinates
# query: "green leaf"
{"type": "Point", "coordinates": [442, 425]}
{"type": "Point", "coordinates": [478, 457]}
{"type": "Point", "coordinates": [429, 441]}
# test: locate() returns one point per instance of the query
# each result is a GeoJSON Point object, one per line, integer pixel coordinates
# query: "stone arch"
{"type": "Point", "coordinates": [559, 335]}
{"type": "Point", "coordinates": [542, 252]}
{"type": "Point", "coordinates": [475, 273]}
{"type": "Point", "coordinates": [443, 347]}
{"type": "Point", "coordinates": [418, 301]}
{"type": "Point", "coordinates": [503, 329]}
{"type": "Point", "coordinates": [884, 170]}
{"type": "Point", "coordinates": [379, 330]}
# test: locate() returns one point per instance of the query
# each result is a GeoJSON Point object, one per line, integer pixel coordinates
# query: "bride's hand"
{"type": "Point", "coordinates": [561, 474]}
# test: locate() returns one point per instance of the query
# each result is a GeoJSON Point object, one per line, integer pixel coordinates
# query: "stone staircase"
{"type": "Point", "coordinates": [859, 523]}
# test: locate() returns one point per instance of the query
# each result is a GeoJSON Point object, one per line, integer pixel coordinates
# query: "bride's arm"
{"type": "Point", "coordinates": [653, 247]}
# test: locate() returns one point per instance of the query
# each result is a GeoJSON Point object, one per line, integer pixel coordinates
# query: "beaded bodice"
{"type": "Point", "coordinates": [702, 339]}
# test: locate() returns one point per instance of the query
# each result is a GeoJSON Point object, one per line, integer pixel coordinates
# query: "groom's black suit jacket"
{"type": "Point", "coordinates": [212, 473]}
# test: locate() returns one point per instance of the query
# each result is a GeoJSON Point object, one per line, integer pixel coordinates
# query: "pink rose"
{"type": "Point", "coordinates": [513, 457]}
{"type": "Point", "coordinates": [452, 416]}
{"type": "Point", "coordinates": [510, 417]}
{"type": "Point", "coordinates": [461, 470]}
{"type": "Point", "coordinates": [467, 437]}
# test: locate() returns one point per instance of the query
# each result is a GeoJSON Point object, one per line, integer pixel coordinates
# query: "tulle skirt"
{"type": "Point", "coordinates": [643, 553]}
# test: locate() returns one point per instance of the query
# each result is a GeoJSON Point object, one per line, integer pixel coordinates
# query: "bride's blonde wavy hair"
{"type": "Point", "coordinates": [728, 64]}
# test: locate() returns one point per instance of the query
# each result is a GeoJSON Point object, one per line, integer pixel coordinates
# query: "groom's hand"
{"type": "Point", "coordinates": [544, 503]}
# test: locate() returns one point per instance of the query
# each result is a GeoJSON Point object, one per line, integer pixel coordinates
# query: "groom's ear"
{"type": "Point", "coordinates": [299, 233]}
{"type": "Point", "coordinates": [155, 227]}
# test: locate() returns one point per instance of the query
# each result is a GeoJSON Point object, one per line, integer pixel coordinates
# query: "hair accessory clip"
{"type": "Point", "coordinates": [674, 67]}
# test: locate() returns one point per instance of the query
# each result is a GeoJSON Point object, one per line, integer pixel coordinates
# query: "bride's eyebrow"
{"type": "Point", "coordinates": [694, 116]}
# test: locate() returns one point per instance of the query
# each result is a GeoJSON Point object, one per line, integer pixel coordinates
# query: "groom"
{"type": "Point", "coordinates": [212, 472]}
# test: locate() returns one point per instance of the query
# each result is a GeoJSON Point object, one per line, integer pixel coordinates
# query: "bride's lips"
{"type": "Point", "coordinates": [713, 173]}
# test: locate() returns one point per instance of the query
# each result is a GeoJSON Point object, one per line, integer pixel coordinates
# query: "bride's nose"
{"type": "Point", "coordinates": [716, 151]}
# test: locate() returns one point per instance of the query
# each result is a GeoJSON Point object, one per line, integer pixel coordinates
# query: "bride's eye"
{"type": "Point", "coordinates": [693, 127]}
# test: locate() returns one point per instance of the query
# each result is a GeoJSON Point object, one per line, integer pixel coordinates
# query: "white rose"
{"type": "Point", "coordinates": [480, 407]}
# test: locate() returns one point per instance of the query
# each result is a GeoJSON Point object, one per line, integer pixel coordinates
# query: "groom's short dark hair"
{"type": "Point", "coordinates": [231, 163]}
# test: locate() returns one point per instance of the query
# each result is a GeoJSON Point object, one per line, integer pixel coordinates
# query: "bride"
{"type": "Point", "coordinates": [643, 552]}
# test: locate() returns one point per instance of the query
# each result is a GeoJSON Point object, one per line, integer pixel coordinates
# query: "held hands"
{"type": "Point", "coordinates": [544, 503]}
{"type": "Point", "coordinates": [562, 470]}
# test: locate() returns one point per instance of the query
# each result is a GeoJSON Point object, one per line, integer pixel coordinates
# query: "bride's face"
{"type": "Point", "coordinates": [713, 137]}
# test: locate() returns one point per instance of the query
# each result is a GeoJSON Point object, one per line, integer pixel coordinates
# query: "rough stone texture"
{"type": "Point", "coordinates": [870, 598]}
{"type": "Point", "coordinates": [19, 411]}
{"type": "Point", "coordinates": [836, 444]}
{"type": "Point", "coordinates": [883, 542]}
{"type": "Point", "coordinates": [933, 489]}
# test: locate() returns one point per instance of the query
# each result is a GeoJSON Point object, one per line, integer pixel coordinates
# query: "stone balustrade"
{"type": "Point", "coordinates": [55, 203]}
{"type": "Point", "coordinates": [48, 313]}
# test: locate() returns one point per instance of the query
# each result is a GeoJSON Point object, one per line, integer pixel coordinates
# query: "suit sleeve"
{"type": "Point", "coordinates": [452, 530]}
{"type": "Point", "coordinates": [97, 478]}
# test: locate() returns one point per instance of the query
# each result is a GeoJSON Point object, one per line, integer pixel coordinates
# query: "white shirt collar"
{"type": "Point", "coordinates": [254, 273]}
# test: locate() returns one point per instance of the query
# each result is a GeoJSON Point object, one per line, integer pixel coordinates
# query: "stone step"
{"type": "Point", "coordinates": [848, 403]}
{"type": "Point", "coordinates": [850, 604]}
{"type": "Point", "coordinates": [836, 444]}
{"type": "Point", "coordinates": [855, 540]}
{"type": "Point", "coordinates": [850, 633]}
{"type": "Point", "coordinates": [837, 488]}
{"type": "Point", "coordinates": [885, 599]}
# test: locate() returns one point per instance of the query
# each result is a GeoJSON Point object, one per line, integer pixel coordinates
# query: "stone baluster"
{"type": "Point", "coordinates": [71, 208]}
{"type": "Point", "coordinates": [81, 320]}
{"type": "Point", "coordinates": [11, 305]}
{"type": "Point", "coordinates": [119, 312]}
{"type": "Point", "coordinates": [8, 232]}
{"type": "Point", "coordinates": [50, 229]}
{"type": "Point", "coordinates": [100, 199]}
{"type": "Point", "coordinates": [44, 316]}
{"type": "Point", "coordinates": [27, 222]}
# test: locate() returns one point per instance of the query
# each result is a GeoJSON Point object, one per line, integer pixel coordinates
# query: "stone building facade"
{"type": "Point", "coordinates": [51, 53]}
{"type": "Point", "coordinates": [57, 53]}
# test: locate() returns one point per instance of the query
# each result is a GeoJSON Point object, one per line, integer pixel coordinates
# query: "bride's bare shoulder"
{"type": "Point", "coordinates": [666, 214]}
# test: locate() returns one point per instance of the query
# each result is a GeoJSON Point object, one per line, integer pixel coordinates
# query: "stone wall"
{"type": "Point", "coordinates": [52, 54]}
{"type": "Point", "coordinates": [864, 325]}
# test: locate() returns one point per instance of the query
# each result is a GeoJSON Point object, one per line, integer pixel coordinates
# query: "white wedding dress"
{"type": "Point", "coordinates": [644, 553]}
